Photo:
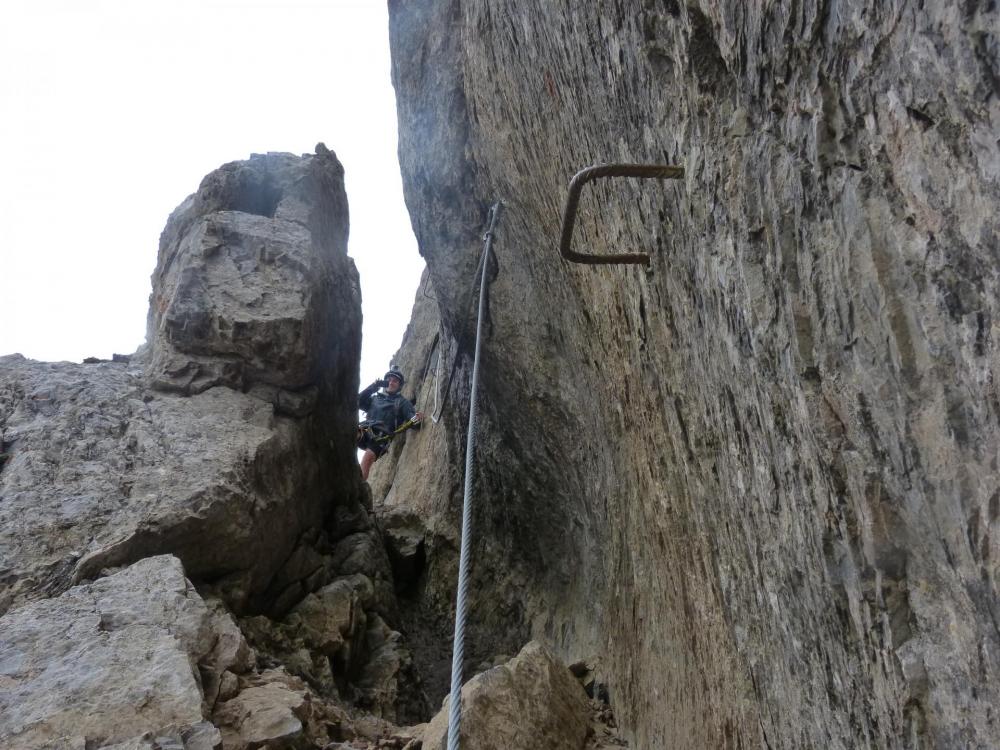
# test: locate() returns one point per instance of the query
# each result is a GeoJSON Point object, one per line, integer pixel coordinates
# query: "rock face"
{"type": "Point", "coordinates": [247, 286]}
{"type": "Point", "coordinates": [105, 470]}
{"type": "Point", "coordinates": [417, 506]}
{"type": "Point", "coordinates": [109, 661]}
{"type": "Point", "coordinates": [111, 462]}
{"type": "Point", "coordinates": [758, 478]}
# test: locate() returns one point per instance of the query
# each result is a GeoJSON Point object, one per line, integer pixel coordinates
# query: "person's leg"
{"type": "Point", "coordinates": [367, 460]}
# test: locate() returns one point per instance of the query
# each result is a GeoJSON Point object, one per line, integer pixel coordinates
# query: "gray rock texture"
{"type": "Point", "coordinates": [226, 446]}
{"type": "Point", "coordinates": [530, 702]}
{"type": "Point", "coordinates": [105, 471]}
{"type": "Point", "coordinates": [108, 661]}
{"type": "Point", "coordinates": [269, 715]}
{"type": "Point", "coordinates": [418, 524]}
{"type": "Point", "coordinates": [335, 640]}
{"type": "Point", "coordinates": [253, 285]}
{"type": "Point", "coordinates": [760, 477]}
{"type": "Point", "coordinates": [276, 710]}
{"type": "Point", "coordinates": [250, 369]}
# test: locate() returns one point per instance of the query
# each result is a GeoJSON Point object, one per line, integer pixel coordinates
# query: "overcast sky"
{"type": "Point", "coordinates": [111, 112]}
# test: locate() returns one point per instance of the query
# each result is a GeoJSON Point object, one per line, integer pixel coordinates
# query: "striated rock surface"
{"type": "Point", "coordinates": [760, 477]}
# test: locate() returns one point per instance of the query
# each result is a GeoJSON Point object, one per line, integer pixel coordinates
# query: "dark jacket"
{"type": "Point", "coordinates": [390, 409]}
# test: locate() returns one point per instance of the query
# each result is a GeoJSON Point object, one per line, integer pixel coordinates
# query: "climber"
{"type": "Point", "coordinates": [388, 413]}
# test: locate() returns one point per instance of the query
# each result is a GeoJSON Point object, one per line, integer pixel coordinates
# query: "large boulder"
{"type": "Point", "coordinates": [530, 702]}
{"type": "Point", "coordinates": [271, 715]}
{"type": "Point", "coordinates": [252, 283]}
{"type": "Point", "coordinates": [104, 471]}
{"type": "Point", "coordinates": [228, 439]}
{"type": "Point", "coordinates": [277, 710]}
{"type": "Point", "coordinates": [225, 444]}
{"type": "Point", "coordinates": [113, 660]}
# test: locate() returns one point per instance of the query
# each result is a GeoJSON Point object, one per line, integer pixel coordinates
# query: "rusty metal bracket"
{"type": "Point", "coordinates": [581, 178]}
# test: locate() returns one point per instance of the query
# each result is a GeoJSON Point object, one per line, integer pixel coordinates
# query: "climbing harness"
{"type": "Point", "coordinates": [581, 178]}
{"type": "Point", "coordinates": [411, 422]}
{"type": "Point", "coordinates": [375, 433]}
{"type": "Point", "coordinates": [455, 707]}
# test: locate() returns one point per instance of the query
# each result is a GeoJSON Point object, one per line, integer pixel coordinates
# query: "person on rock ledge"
{"type": "Point", "coordinates": [388, 413]}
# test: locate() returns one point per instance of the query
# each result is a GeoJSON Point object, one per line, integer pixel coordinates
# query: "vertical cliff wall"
{"type": "Point", "coordinates": [758, 479]}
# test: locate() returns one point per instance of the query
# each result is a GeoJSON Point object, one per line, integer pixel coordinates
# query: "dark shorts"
{"type": "Point", "coordinates": [368, 432]}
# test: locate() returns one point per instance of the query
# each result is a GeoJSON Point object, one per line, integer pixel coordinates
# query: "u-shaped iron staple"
{"type": "Point", "coordinates": [581, 178]}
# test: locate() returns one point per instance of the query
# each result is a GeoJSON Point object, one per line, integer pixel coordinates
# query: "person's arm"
{"type": "Point", "coordinates": [410, 412]}
{"type": "Point", "coordinates": [406, 410]}
{"type": "Point", "coordinates": [365, 397]}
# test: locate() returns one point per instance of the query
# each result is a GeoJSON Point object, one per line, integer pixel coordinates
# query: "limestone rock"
{"type": "Point", "coordinates": [532, 701]}
{"type": "Point", "coordinates": [277, 710]}
{"type": "Point", "coordinates": [757, 478]}
{"type": "Point", "coordinates": [429, 360]}
{"type": "Point", "coordinates": [230, 655]}
{"type": "Point", "coordinates": [416, 489]}
{"type": "Point", "coordinates": [203, 736]}
{"type": "Point", "coordinates": [110, 462]}
{"type": "Point", "coordinates": [226, 441]}
{"type": "Point", "coordinates": [252, 274]}
{"type": "Point", "coordinates": [360, 553]}
{"type": "Point", "coordinates": [106, 662]}
{"type": "Point", "coordinates": [325, 618]}
{"type": "Point", "coordinates": [364, 554]}
{"type": "Point", "coordinates": [280, 644]}
{"type": "Point", "coordinates": [270, 715]}
{"type": "Point", "coordinates": [336, 642]}
{"type": "Point", "coordinates": [405, 542]}
{"type": "Point", "coordinates": [105, 471]}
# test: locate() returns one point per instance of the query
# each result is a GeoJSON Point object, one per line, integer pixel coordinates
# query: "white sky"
{"type": "Point", "coordinates": [112, 111]}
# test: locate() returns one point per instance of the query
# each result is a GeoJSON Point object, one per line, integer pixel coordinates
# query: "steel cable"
{"type": "Point", "coordinates": [458, 648]}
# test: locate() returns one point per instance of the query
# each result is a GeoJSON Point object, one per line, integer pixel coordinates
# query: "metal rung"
{"type": "Point", "coordinates": [581, 178]}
